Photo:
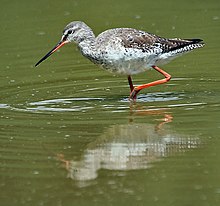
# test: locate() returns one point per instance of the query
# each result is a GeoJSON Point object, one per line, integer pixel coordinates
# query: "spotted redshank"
{"type": "Point", "coordinates": [125, 50]}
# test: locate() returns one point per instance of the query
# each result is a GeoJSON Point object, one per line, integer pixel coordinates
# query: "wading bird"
{"type": "Point", "coordinates": [126, 51]}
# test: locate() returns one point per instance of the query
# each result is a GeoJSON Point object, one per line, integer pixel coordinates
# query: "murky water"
{"type": "Point", "coordinates": [70, 136]}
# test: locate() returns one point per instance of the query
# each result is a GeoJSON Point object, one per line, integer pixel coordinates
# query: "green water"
{"type": "Point", "coordinates": [68, 134]}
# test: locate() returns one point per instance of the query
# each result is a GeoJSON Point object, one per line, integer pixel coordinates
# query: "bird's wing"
{"type": "Point", "coordinates": [147, 42]}
{"type": "Point", "coordinates": [132, 38]}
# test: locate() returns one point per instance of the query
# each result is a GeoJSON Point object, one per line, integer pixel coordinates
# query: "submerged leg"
{"type": "Point", "coordinates": [137, 89]}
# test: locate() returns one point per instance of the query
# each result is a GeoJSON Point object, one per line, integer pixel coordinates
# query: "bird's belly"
{"type": "Point", "coordinates": [165, 58]}
{"type": "Point", "coordinates": [126, 63]}
{"type": "Point", "coordinates": [127, 67]}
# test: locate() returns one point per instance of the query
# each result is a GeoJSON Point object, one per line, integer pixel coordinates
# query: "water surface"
{"type": "Point", "coordinates": [70, 136]}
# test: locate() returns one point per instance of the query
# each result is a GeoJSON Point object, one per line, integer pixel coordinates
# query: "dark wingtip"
{"type": "Point", "coordinates": [195, 41]}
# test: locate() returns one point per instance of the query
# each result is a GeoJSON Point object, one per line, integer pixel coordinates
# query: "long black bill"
{"type": "Point", "coordinates": [60, 44]}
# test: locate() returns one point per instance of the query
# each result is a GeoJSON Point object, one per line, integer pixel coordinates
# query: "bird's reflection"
{"type": "Point", "coordinates": [130, 146]}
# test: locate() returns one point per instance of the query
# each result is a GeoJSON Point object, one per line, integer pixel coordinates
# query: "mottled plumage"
{"type": "Point", "coordinates": [125, 50]}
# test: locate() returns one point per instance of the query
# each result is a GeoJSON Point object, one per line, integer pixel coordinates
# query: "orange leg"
{"type": "Point", "coordinates": [137, 89]}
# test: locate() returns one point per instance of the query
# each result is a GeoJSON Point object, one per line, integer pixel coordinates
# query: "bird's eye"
{"type": "Point", "coordinates": [70, 32]}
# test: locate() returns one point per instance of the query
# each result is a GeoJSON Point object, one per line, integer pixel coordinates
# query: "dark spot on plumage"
{"type": "Point", "coordinates": [130, 38]}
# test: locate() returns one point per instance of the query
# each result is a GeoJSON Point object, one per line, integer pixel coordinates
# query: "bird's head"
{"type": "Point", "coordinates": [75, 31]}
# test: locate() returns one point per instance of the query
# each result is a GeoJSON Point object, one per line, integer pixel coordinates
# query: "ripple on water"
{"type": "Point", "coordinates": [3, 106]}
{"type": "Point", "coordinates": [157, 97]}
{"type": "Point", "coordinates": [64, 105]}
{"type": "Point", "coordinates": [85, 104]}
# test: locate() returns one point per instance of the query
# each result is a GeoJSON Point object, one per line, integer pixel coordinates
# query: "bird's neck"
{"type": "Point", "coordinates": [87, 45]}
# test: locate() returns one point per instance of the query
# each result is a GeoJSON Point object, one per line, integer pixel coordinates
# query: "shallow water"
{"type": "Point", "coordinates": [70, 136]}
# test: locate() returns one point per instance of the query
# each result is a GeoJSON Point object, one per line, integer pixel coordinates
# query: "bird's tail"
{"type": "Point", "coordinates": [185, 45]}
